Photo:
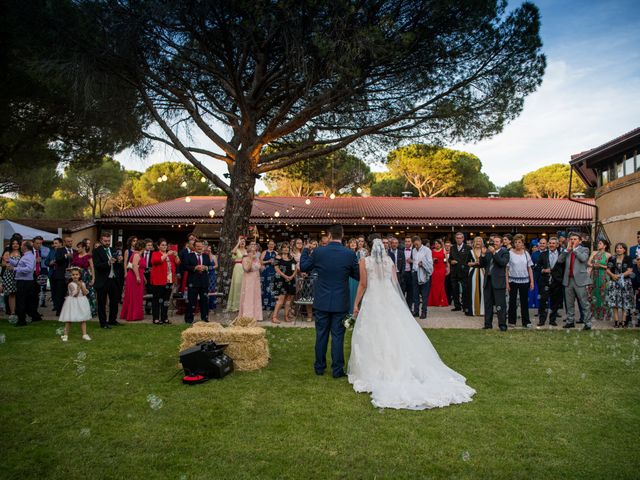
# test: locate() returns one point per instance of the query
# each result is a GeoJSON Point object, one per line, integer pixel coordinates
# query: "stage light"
{"type": "Point", "coordinates": [188, 199]}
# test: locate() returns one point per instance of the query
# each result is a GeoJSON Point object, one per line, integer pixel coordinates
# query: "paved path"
{"type": "Point", "coordinates": [439, 317]}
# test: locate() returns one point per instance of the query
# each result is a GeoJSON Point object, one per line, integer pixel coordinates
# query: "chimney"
{"type": "Point", "coordinates": [407, 194]}
{"type": "Point", "coordinates": [494, 194]}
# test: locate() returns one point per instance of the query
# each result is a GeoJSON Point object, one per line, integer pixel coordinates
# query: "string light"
{"type": "Point", "coordinates": [358, 190]}
{"type": "Point", "coordinates": [188, 199]}
{"type": "Point", "coordinates": [212, 213]}
{"type": "Point", "coordinates": [276, 213]}
{"type": "Point", "coordinates": [183, 184]}
{"type": "Point", "coordinates": [203, 180]}
{"type": "Point", "coordinates": [332, 196]}
{"type": "Point", "coordinates": [308, 201]}
{"type": "Point", "coordinates": [164, 178]}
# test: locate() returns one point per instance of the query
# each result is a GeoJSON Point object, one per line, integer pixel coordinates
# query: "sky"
{"type": "Point", "coordinates": [590, 93]}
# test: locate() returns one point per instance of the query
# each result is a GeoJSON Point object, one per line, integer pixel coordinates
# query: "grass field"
{"type": "Point", "coordinates": [550, 404]}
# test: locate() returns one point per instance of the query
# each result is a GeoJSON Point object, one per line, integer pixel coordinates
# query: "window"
{"type": "Point", "coordinates": [628, 164]}
{"type": "Point", "coordinates": [619, 169]}
{"type": "Point", "coordinates": [612, 172]}
{"type": "Point", "coordinates": [604, 177]}
{"type": "Point", "coordinates": [637, 160]}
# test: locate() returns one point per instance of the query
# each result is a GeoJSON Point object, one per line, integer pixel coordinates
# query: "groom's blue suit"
{"type": "Point", "coordinates": [334, 264]}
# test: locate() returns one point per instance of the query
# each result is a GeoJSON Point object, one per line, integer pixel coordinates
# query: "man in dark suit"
{"type": "Point", "coordinates": [63, 258]}
{"type": "Point", "coordinates": [459, 272]}
{"type": "Point", "coordinates": [397, 256]}
{"type": "Point", "coordinates": [197, 266]}
{"type": "Point", "coordinates": [550, 282]}
{"type": "Point", "coordinates": [106, 282]}
{"type": "Point", "coordinates": [334, 265]}
{"type": "Point", "coordinates": [146, 254]}
{"type": "Point", "coordinates": [407, 275]}
{"type": "Point", "coordinates": [634, 253]}
{"type": "Point", "coordinates": [494, 260]}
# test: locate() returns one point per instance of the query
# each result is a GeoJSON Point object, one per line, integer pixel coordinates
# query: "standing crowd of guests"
{"type": "Point", "coordinates": [479, 277]}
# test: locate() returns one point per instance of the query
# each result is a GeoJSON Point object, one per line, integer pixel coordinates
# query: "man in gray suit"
{"type": "Point", "coordinates": [494, 260]}
{"type": "Point", "coordinates": [576, 279]}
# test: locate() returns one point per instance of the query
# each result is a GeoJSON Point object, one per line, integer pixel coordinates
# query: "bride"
{"type": "Point", "coordinates": [391, 356]}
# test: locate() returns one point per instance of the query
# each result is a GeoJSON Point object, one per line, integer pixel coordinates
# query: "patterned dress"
{"type": "Point", "coordinates": [268, 276]}
{"type": "Point", "coordinates": [285, 287]}
{"type": "Point", "coordinates": [9, 278]}
{"type": "Point", "coordinates": [620, 292]}
{"type": "Point", "coordinates": [213, 285]}
{"type": "Point", "coordinates": [598, 289]}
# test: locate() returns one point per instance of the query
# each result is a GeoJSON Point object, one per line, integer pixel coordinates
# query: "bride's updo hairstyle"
{"type": "Point", "coordinates": [377, 248]}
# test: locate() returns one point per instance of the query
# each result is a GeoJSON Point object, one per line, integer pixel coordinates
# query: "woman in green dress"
{"type": "Point", "coordinates": [598, 289]}
{"type": "Point", "coordinates": [238, 252]}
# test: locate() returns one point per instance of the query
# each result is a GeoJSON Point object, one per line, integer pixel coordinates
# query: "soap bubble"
{"type": "Point", "coordinates": [60, 331]}
{"type": "Point", "coordinates": [3, 338]}
{"type": "Point", "coordinates": [381, 410]}
{"type": "Point", "coordinates": [80, 369]}
{"type": "Point", "coordinates": [85, 432]}
{"type": "Point", "coordinates": [155, 402]}
{"type": "Point", "coordinates": [537, 359]}
{"type": "Point", "coordinates": [583, 376]}
{"type": "Point", "coordinates": [549, 371]}
{"type": "Point", "coordinates": [81, 356]}
{"type": "Point", "coordinates": [466, 456]}
{"type": "Point", "coordinates": [13, 319]}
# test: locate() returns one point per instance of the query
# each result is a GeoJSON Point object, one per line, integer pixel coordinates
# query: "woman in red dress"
{"type": "Point", "coordinates": [133, 302]}
{"type": "Point", "coordinates": [438, 292]}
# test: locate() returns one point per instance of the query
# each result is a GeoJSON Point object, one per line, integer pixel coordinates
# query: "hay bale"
{"type": "Point", "coordinates": [248, 346]}
{"type": "Point", "coordinates": [244, 322]}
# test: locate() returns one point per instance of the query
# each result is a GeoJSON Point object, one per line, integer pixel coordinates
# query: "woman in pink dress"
{"type": "Point", "coordinates": [251, 292]}
{"type": "Point", "coordinates": [438, 292]}
{"type": "Point", "coordinates": [133, 302]}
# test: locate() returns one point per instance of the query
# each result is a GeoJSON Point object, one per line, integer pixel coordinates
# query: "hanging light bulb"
{"type": "Point", "coordinates": [308, 201]}
{"type": "Point", "coordinates": [159, 179]}
{"type": "Point", "coordinates": [184, 184]}
{"type": "Point", "coordinates": [164, 178]}
{"type": "Point", "coordinates": [212, 213]}
{"type": "Point", "coordinates": [188, 199]}
{"type": "Point", "coordinates": [276, 213]}
{"type": "Point", "coordinates": [332, 196]}
{"type": "Point", "coordinates": [202, 179]}
{"type": "Point", "coordinates": [359, 190]}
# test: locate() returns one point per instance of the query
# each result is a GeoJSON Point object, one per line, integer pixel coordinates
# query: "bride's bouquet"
{"type": "Point", "coordinates": [349, 322]}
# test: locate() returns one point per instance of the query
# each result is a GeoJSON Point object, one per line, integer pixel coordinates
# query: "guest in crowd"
{"type": "Point", "coordinates": [130, 247]}
{"type": "Point", "coordinates": [106, 282]}
{"type": "Point", "coordinates": [537, 247]}
{"type": "Point", "coordinates": [620, 290]}
{"type": "Point", "coordinates": [63, 259]}
{"type": "Point", "coordinates": [134, 285]}
{"type": "Point", "coordinates": [437, 292]}
{"type": "Point", "coordinates": [458, 262]}
{"type": "Point", "coordinates": [520, 280]}
{"type": "Point", "coordinates": [385, 243]}
{"type": "Point", "coordinates": [421, 271]}
{"type": "Point", "coordinates": [475, 282]}
{"type": "Point", "coordinates": [42, 270]}
{"type": "Point", "coordinates": [324, 240]}
{"type": "Point", "coordinates": [213, 276]}
{"type": "Point", "coordinates": [83, 261]}
{"type": "Point", "coordinates": [550, 283]}
{"type": "Point", "coordinates": [26, 288]}
{"type": "Point", "coordinates": [507, 240]}
{"type": "Point", "coordinates": [50, 261]}
{"type": "Point", "coordinates": [197, 268]}
{"type": "Point", "coordinates": [494, 260]}
{"type": "Point", "coordinates": [76, 308]}
{"type": "Point", "coordinates": [182, 274]}
{"type": "Point", "coordinates": [9, 285]}
{"type": "Point", "coordinates": [576, 280]}
{"type": "Point", "coordinates": [267, 259]}
{"type": "Point", "coordinates": [406, 274]}
{"type": "Point", "coordinates": [146, 256]}
{"type": "Point", "coordinates": [313, 244]}
{"type": "Point", "coordinates": [286, 268]}
{"type": "Point", "coordinates": [447, 278]}
{"type": "Point", "coordinates": [250, 295]}
{"type": "Point", "coordinates": [634, 253]}
{"type": "Point", "coordinates": [352, 244]}
{"type": "Point", "coordinates": [562, 241]}
{"type": "Point", "coordinates": [118, 267]}
{"type": "Point", "coordinates": [599, 278]}
{"type": "Point", "coordinates": [362, 251]}
{"type": "Point", "coordinates": [238, 253]}
{"type": "Point", "coordinates": [296, 254]}
{"type": "Point", "coordinates": [397, 256]}
{"type": "Point", "coordinates": [164, 264]}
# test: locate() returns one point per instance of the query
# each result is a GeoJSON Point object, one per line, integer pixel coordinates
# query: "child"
{"type": "Point", "coordinates": [76, 306]}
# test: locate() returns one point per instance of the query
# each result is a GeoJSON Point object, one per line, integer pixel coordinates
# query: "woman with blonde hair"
{"type": "Point", "coordinates": [475, 279]}
{"type": "Point", "coordinates": [519, 277]}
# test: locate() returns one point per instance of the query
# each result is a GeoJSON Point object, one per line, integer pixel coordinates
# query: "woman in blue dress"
{"type": "Point", "coordinates": [534, 296]}
{"type": "Point", "coordinates": [213, 276]}
{"type": "Point", "coordinates": [268, 274]}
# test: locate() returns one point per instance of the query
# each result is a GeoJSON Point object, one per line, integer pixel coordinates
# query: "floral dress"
{"type": "Point", "coordinates": [282, 286]}
{"type": "Point", "coordinates": [268, 276]}
{"type": "Point", "coordinates": [9, 284]}
{"type": "Point", "coordinates": [598, 288]}
{"type": "Point", "coordinates": [620, 292]}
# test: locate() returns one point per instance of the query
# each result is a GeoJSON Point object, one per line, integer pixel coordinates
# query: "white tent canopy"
{"type": "Point", "coordinates": [8, 228]}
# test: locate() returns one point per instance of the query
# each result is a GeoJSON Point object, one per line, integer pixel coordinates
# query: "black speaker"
{"type": "Point", "coordinates": [208, 359]}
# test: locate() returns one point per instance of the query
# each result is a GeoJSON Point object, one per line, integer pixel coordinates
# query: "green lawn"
{"type": "Point", "coordinates": [550, 404]}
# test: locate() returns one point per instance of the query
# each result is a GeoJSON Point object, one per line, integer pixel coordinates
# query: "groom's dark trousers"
{"type": "Point", "coordinates": [334, 264]}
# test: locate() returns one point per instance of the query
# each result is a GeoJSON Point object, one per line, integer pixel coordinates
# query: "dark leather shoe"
{"type": "Point", "coordinates": [553, 323]}
{"type": "Point", "coordinates": [116, 324]}
{"type": "Point", "coordinates": [106, 327]}
{"type": "Point", "coordinates": [423, 317]}
{"type": "Point", "coordinates": [319, 373]}
{"type": "Point", "coordinates": [541, 324]}
{"type": "Point", "coordinates": [339, 375]}
{"type": "Point", "coordinates": [569, 325]}
{"type": "Point", "coordinates": [415, 314]}
{"type": "Point", "coordinates": [503, 329]}
{"type": "Point", "coordinates": [586, 327]}
{"type": "Point", "coordinates": [457, 309]}
{"type": "Point", "coordinates": [580, 321]}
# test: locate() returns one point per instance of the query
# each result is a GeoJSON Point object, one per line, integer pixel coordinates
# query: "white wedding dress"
{"type": "Point", "coordinates": [391, 356]}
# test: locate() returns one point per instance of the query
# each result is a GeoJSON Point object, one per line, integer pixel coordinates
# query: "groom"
{"type": "Point", "coordinates": [334, 265]}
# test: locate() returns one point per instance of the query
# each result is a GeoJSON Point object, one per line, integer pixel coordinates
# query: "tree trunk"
{"type": "Point", "coordinates": [236, 219]}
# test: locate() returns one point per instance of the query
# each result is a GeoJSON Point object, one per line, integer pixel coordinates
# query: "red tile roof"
{"type": "Point", "coordinates": [368, 211]}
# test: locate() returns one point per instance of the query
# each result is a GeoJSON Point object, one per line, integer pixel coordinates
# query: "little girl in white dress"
{"type": "Point", "coordinates": [76, 306]}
